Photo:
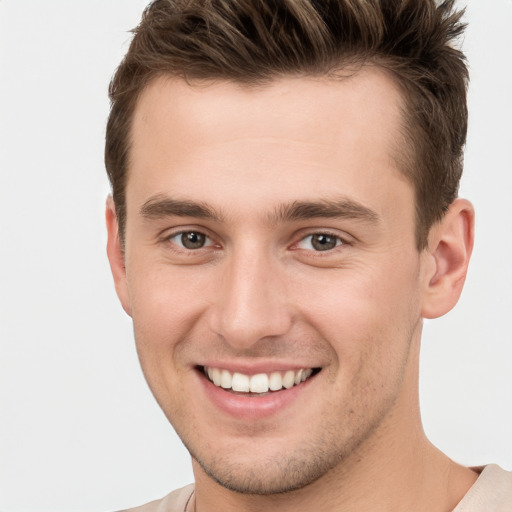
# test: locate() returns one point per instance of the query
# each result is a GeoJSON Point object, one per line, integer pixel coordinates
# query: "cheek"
{"type": "Point", "coordinates": [163, 318]}
{"type": "Point", "coordinates": [166, 304]}
{"type": "Point", "coordinates": [367, 315]}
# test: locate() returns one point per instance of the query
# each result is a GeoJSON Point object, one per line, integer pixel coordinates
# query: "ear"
{"type": "Point", "coordinates": [116, 255]}
{"type": "Point", "coordinates": [449, 250]}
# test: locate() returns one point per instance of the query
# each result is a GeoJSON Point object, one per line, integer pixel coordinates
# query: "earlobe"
{"type": "Point", "coordinates": [116, 256]}
{"type": "Point", "coordinates": [450, 247]}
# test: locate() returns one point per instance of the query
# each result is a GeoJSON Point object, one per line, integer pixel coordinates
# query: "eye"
{"type": "Point", "coordinates": [320, 242]}
{"type": "Point", "coordinates": [191, 240]}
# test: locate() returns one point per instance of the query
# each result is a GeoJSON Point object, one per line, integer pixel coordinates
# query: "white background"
{"type": "Point", "coordinates": [79, 430]}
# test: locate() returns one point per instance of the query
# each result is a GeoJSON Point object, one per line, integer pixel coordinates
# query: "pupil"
{"type": "Point", "coordinates": [192, 240]}
{"type": "Point", "coordinates": [323, 242]}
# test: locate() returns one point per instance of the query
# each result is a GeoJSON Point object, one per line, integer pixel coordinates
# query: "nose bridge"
{"type": "Point", "coordinates": [251, 302]}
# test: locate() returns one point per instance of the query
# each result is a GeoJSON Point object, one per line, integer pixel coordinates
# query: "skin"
{"type": "Point", "coordinates": [259, 295]}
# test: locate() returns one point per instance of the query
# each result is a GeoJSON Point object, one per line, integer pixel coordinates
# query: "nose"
{"type": "Point", "coordinates": [250, 301]}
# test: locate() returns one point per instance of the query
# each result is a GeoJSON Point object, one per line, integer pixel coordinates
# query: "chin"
{"type": "Point", "coordinates": [244, 480]}
{"type": "Point", "coordinates": [271, 474]}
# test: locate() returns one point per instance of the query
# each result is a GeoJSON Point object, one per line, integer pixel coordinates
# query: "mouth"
{"type": "Point", "coordinates": [259, 384]}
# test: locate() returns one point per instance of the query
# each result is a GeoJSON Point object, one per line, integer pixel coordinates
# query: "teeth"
{"type": "Point", "coordinates": [240, 383]}
{"type": "Point", "coordinates": [289, 379]}
{"type": "Point", "coordinates": [275, 381]}
{"type": "Point", "coordinates": [215, 376]}
{"type": "Point", "coordinates": [259, 383]}
{"type": "Point", "coordinates": [226, 379]}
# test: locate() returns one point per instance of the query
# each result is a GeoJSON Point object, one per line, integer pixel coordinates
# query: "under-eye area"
{"type": "Point", "coordinates": [260, 383]}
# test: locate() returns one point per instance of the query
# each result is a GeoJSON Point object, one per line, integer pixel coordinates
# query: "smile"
{"type": "Point", "coordinates": [259, 383]}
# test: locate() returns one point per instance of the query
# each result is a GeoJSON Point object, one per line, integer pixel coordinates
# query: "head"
{"type": "Point", "coordinates": [284, 216]}
{"type": "Point", "coordinates": [252, 43]}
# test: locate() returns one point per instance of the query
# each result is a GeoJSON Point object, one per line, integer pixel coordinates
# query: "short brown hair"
{"type": "Point", "coordinates": [256, 41]}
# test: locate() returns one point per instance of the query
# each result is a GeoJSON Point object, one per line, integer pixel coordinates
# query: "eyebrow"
{"type": "Point", "coordinates": [162, 206]}
{"type": "Point", "coordinates": [333, 209]}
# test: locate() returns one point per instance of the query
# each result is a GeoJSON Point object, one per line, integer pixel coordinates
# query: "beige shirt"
{"type": "Point", "coordinates": [176, 501]}
{"type": "Point", "coordinates": [492, 492]}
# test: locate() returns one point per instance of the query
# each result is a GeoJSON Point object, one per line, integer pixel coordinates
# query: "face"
{"type": "Point", "coordinates": [272, 274]}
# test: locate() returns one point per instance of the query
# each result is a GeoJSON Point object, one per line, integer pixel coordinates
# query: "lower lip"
{"type": "Point", "coordinates": [252, 407]}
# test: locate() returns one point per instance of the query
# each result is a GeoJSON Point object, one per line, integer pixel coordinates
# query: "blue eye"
{"type": "Point", "coordinates": [320, 242]}
{"type": "Point", "coordinates": [191, 240]}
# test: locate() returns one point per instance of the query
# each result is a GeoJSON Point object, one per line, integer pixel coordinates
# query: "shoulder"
{"type": "Point", "coordinates": [176, 501]}
{"type": "Point", "coordinates": [492, 492]}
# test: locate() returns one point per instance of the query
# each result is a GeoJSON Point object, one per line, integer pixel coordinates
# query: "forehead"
{"type": "Point", "coordinates": [285, 139]}
{"type": "Point", "coordinates": [352, 101]}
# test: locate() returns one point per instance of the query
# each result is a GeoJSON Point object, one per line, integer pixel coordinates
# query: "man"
{"type": "Point", "coordinates": [284, 215]}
